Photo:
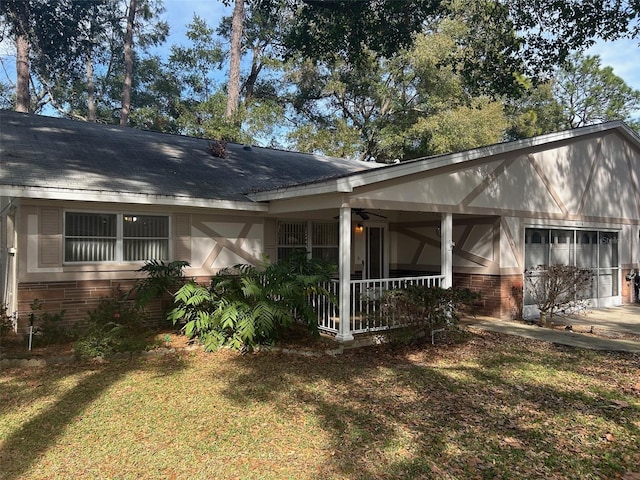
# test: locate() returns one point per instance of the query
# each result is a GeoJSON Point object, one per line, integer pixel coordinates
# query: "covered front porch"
{"type": "Point", "coordinates": [358, 308]}
{"type": "Point", "coordinates": [366, 312]}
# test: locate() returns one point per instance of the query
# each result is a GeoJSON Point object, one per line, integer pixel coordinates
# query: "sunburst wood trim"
{"type": "Point", "coordinates": [244, 234]}
{"type": "Point", "coordinates": [517, 254]}
{"type": "Point", "coordinates": [636, 188]}
{"type": "Point", "coordinates": [418, 252]}
{"type": "Point", "coordinates": [587, 187]}
{"type": "Point", "coordinates": [499, 170]}
{"type": "Point", "coordinates": [226, 243]}
{"type": "Point", "coordinates": [457, 250]}
{"type": "Point", "coordinates": [545, 180]}
{"type": "Point", "coordinates": [418, 236]}
{"type": "Point", "coordinates": [213, 256]}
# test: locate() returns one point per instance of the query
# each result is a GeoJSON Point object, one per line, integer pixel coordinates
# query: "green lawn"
{"type": "Point", "coordinates": [488, 407]}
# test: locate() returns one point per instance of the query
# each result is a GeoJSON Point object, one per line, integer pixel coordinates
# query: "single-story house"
{"type": "Point", "coordinates": [83, 205]}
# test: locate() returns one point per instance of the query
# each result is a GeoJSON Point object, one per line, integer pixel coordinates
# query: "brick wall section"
{"type": "Point", "coordinates": [501, 295]}
{"type": "Point", "coordinates": [76, 298]}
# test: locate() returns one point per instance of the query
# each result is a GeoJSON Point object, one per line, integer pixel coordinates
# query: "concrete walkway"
{"type": "Point", "coordinates": [604, 323]}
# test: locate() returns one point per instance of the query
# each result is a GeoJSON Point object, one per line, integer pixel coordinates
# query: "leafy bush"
{"type": "Point", "coordinates": [48, 328]}
{"type": "Point", "coordinates": [420, 309]}
{"type": "Point", "coordinates": [558, 289]}
{"type": "Point", "coordinates": [245, 306]}
{"type": "Point", "coordinates": [6, 323]}
{"type": "Point", "coordinates": [116, 325]}
{"type": "Point", "coordinates": [162, 279]}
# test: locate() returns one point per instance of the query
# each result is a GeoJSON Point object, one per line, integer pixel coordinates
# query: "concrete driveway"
{"type": "Point", "coordinates": [624, 319]}
{"type": "Point", "coordinates": [604, 324]}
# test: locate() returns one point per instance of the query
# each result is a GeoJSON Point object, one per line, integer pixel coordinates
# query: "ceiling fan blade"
{"type": "Point", "coordinates": [363, 214]}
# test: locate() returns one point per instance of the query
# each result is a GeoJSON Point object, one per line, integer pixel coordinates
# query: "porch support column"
{"type": "Point", "coordinates": [446, 249]}
{"type": "Point", "coordinates": [344, 290]}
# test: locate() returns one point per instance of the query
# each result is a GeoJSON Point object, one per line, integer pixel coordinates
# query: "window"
{"type": "Point", "coordinates": [91, 237]}
{"type": "Point", "coordinates": [291, 236]}
{"type": "Point", "coordinates": [323, 242]}
{"type": "Point", "coordinates": [594, 250]}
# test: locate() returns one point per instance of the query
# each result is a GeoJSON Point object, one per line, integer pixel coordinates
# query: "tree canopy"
{"type": "Point", "coordinates": [365, 79]}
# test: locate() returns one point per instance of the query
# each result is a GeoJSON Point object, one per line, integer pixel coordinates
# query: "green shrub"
{"type": "Point", "coordinates": [6, 323]}
{"type": "Point", "coordinates": [48, 328]}
{"type": "Point", "coordinates": [116, 325]}
{"type": "Point", "coordinates": [420, 310]}
{"type": "Point", "coordinates": [245, 306]}
{"type": "Point", "coordinates": [162, 279]}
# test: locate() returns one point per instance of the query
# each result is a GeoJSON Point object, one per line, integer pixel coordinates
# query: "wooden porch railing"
{"type": "Point", "coordinates": [366, 313]}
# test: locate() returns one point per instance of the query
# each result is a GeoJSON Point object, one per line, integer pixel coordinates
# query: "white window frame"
{"type": "Point", "coordinates": [598, 301]}
{"type": "Point", "coordinates": [119, 245]}
{"type": "Point", "coordinates": [308, 243]}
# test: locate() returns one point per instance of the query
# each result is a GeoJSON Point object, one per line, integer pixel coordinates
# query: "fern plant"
{"type": "Point", "coordinates": [161, 279]}
{"type": "Point", "coordinates": [246, 306]}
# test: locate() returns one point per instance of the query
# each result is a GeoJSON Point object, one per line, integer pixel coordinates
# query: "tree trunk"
{"type": "Point", "coordinates": [91, 91]}
{"type": "Point", "coordinates": [23, 97]}
{"type": "Point", "coordinates": [235, 55]}
{"type": "Point", "coordinates": [249, 85]}
{"type": "Point", "coordinates": [128, 64]}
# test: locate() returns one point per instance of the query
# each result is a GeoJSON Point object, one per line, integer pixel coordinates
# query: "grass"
{"type": "Point", "coordinates": [490, 406]}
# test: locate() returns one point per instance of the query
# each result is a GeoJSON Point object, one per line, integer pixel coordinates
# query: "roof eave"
{"type": "Point", "coordinates": [348, 183]}
{"type": "Point", "coordinates": [127, 197]}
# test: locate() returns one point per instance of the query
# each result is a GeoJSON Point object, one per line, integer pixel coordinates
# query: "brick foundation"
{"type": "Point", "coordinates": [501, 295]}
{"type": "Point", "coordinates": [77, 298]}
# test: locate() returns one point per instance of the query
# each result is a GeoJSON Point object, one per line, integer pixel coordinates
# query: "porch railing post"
{"type": "Point", "coordinates": [446, 249]}
{"type": "Point", "coordinates": [344, 290]}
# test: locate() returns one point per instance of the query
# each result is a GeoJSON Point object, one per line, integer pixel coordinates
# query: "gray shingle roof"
{"type": "Point", "coordinates": [38, 151]}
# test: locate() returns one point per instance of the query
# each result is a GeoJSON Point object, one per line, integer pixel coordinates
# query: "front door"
{"type": "Point", "coordinates": [374, 256]}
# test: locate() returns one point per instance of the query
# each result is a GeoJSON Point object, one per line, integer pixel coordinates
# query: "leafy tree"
{"type": "Point", "coordinates": [481, 123]}
{"type": "Point", "coordinates": [589, 93]}
{"type": "Point", "coordinates": [552, 29]}
{"type": "Point", "coordinates": [128, 63]}
{"type": "Point", "coordinates": [80, 69]}
{"type": "Point", "coordinates": [259, 106]}
{"type": "Point", "coordinates": [200, 102]}
{"type": "Point", "coordinates": [147, 10]}
{"type": "Point", "coordinates": [535, 112]}
{"type": "Point", "coordinates": [351, 29]}
{"type": "Point", "coordinates": [235, 56]}
{"type": "Point", "coordinates": [6, 96]}
{"type": "Point", "coordinates": [548, 29]}
{"type": "Point", "coordinates": [48, 37]}
{"type": "Point", "coordinates": [398, 108]}
{"type": "Point", "coordinates": [156, 95]}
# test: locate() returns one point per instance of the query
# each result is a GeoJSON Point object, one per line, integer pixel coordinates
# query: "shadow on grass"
{"type": "Point", "coordinates": [455, 412]}
{"type": "Point", "coordinates": [22, 448]}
